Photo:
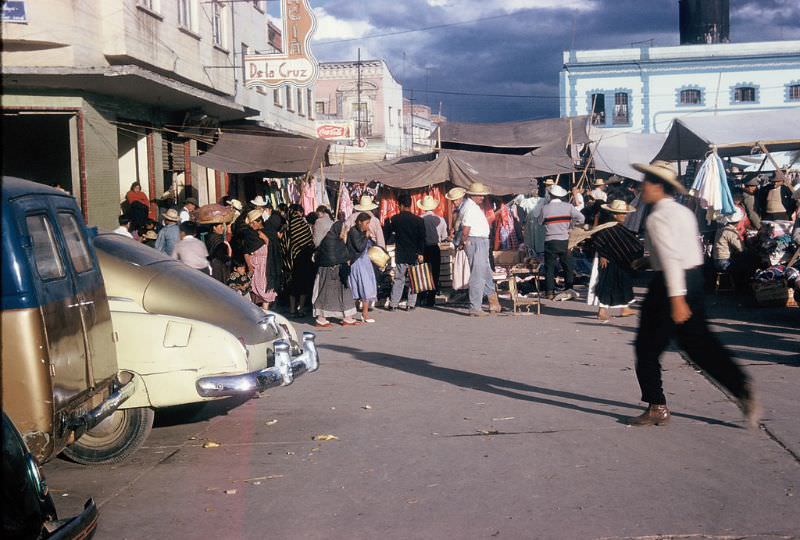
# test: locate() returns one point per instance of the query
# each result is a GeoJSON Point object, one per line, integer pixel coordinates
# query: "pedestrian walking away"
{"type": "Point", "coordinates": [362, 275]}
{"type": "Point", "coordinates": [332, 297]}
{"type": "Point", "coordinates": [299, 259]}
{"type": "Point", "coordinates": [409, 238]}
{"type": "Point", "coordinates": [475, 242]}
{"type": "Point", "coordinates": [170, 234]}
{"type": "Point", "coordinates": [435, 232]}
{"type": "Point", "coordinates": [674, 306]}
{"type": "Point", "coordinates": [558, 217]}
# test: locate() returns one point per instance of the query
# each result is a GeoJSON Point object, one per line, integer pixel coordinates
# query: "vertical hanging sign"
{"type": "Point", "coordinates": [296, 64]}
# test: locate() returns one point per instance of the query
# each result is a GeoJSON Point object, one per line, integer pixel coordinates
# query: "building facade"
{"type": "Point", "coordinates": [643, 89]}
{"type": "Point", "coordinates": [367, 97]}
{"type": "Point", "coordinates": [98, 95]}
{"type": "Point", "coordinates": [419, 127]}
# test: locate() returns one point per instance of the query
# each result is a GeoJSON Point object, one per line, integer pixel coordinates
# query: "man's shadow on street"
{"type": "Point", "coordinates": [504, 387]}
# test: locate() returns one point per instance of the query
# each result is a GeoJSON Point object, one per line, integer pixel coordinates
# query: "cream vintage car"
{"type": "Point", "coordinates": [187, 339]}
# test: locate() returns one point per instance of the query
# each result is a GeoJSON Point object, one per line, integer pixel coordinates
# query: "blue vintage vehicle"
{"type": "Point", "coordinates": [59, 362]}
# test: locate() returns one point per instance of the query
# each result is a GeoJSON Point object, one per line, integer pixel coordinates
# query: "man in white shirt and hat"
{"type": "Point", "coordinates": [435, 232]}
{"type": "Point", "coordinates": [475, 241]}
{"type": "Point", "coordinates": [674, 306]}
{"type": "Point", "coordinates": [456, 196]}
{"type": "Point", "coordinates": [599, 191]}
{"type": "Point", "coordinates": [261, 204]}
{"type": "Point", "coordinates": [558, 217]}
{"type": "Point", "coordinates": [189, 206]}
{"type": "Point", "coordinates": [367, 205]}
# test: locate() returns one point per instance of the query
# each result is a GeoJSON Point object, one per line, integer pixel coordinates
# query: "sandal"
{"type": "Point", "coordinates": [354, 323]}
{"type": "Point", "coordinates": [326, 324]}
{"type": "Point", "coordinates": [366, 321]}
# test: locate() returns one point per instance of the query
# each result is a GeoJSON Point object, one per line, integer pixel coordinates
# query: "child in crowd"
{"type": "Point", "coordinates": [239, 280]}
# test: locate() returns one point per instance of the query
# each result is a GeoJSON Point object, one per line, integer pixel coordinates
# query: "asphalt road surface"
{"type": "Point", "coordinates": [452, 427]}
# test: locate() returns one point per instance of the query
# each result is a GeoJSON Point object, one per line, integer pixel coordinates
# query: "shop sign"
{"type": "Point", "coordinates": [14, 11]}
{"type": "Point", "coordinates": [335, 130]}
{"type": "Point", "coordinates": [296, 64]}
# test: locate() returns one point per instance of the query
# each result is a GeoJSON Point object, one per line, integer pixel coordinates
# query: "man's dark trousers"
{"type": "Point", "coordinates": [432, 256]}
{"type": "Point", "coordinates": [557, 251]}
{"type": "Point", "coordinates": [657, 328]}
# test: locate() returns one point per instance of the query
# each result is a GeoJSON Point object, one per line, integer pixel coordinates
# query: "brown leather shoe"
{"type": "Point", "coordinates": [655, 415]}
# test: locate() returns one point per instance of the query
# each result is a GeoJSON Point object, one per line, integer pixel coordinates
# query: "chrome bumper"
{"type": "Point", "coordinates": [121, 392]}
{"type": "Point", "coordinates": [284, 371]}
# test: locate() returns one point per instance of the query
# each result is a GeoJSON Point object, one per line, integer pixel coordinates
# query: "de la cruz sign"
{"type": "Point", "coordinates": [296, 64]}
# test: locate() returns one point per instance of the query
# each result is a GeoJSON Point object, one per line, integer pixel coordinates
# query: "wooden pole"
{"type": "Point", "coordinates": [778, 170]}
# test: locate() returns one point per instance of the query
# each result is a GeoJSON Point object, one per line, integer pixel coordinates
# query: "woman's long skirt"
{"type": "Point", "coordinates": [610, 287]}
{"type": "Point", "coordinates": [362, 278]}
{"type": "Point", "coordinates": [331, 297]}
{"type": "Point", "coordinates": [260, 261]}
{"type": "Point", "coordinates": [303, 274]}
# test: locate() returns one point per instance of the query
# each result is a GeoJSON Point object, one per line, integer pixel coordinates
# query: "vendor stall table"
{"type": "Point", "coordinates": [514, 266]}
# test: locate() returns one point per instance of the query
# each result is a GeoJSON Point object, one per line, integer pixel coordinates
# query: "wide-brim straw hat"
{"type": "Point", "coordinates": [253, 215]}
{"type": "Point", "coordinates": [428, 203]}
{"type": "Point", "coordinates": [379, 257]}
{"type": "Point", "coordinates": [171, 215]}
{"type": "Point", "coordinates": [599, 182]}
{"type": "Point", "coordinates": [366, 204]}
{"type": "Point", "coordinates": [618, 206]}
{"type": "Point", "coordinates": [259, 201]}
{"type": "Point", "coordinates": [478, 189]}
{"type": "Point", "coordinates": [662, 170]}
{"type": "Point", "coordinates": [558, 191]}
{"type": "Point", "coordinates": [151, 235]}
{"type": "Point", "coordinates": [235, 203]}
{"type": "Point", "coordinates": [455, 194]}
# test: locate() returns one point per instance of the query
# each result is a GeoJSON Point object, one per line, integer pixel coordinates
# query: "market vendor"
{"type": "Point", "coordinates": [775, 201]}
{"type": "Point", "coordinates": [749, 202]}
{"type": "Point", "coordinates": [728, 242]}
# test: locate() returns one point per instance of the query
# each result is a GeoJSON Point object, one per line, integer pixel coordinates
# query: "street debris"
{"type": "Point", "coordinates": [367, 407]}
{"type": "Point", "coordinates": [502, 419]}
{"type": "Point", "coordinates": [488, 432]}
{"type": "Point", "coordinates": [324, 438]}
{"type": "Point", "coordinates": [258, 479]}
{"type": "Point", "coordinates": [211, 444]}
{"type": "Point", "coordinates": [272, 422]}
{"type": "Point", "coordinates": [230, 492]}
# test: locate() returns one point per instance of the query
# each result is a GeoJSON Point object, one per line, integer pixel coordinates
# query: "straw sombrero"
{"type": "Point", "coordinates": [428, 203]}
{"type": "Point", "coordinates": [558, 191]}
{"type": "Point", "coordinates": [599, 182]}
{"type": "Point", "coordinates": [259, 201]}
{"type": "Point", "coordinates": [254, 215]}
{"type": "Point", "coordinates": [366, 204]}
{"type": "Point", "coordinates": [171, 215]}
{"type": "Point", "coordinates": [455, 194]}
{"type": "Point", "coordinates": [236, 204]}
{"type": "Point", "coordinates": [663, 171]}
{"type": "Point", "coordinates": [618, 206]}
{"type": "Point", "coordinates": [478, 189]}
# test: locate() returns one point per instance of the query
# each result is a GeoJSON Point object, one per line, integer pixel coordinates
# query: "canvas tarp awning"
{"type": "Point", "coordinates": [243, 153]}
{"type": "Point", "coordinates": [615, 153]}
{"type": "Point", "coordinates": [525, 134]}
{"type": "Point", "coordinates": [504, 174]}
{"type": "Point", "coordinates": [691, 137]}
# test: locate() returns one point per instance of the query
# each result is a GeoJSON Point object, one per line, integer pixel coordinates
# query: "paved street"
{"type": "Point", "coordinates": [452, 427]}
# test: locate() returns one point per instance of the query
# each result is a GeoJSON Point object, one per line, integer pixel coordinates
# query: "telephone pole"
{"type": "Point", "coordinates": [358, 99]}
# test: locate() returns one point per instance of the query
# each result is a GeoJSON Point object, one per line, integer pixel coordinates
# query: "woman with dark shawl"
{"type": "Point", "coordinates": [254, 245]}
{"type": "Point", "coordinates": [274, 229]}
{"type": "Point", "coordinates": [298, 260]}
{"type": "Point", "coordinates": [332, 295]}
{"type": "Point", "coordinates": [611, 285]}
{"type": "Point", "coordinates": [219, 252]}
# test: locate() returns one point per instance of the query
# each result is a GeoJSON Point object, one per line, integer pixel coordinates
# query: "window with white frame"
{"type": "Point", "coordinates": [598, 109]}
{"type": "Point", "coordinates": [187, 14]}
{"type": "Point", "coordinates": [621, 110]}
{"type": "Point", "coordinates": [150, 5]}
{"type": "Point", "coordinates": [391, 118]}
{"type": "Point", "coordinates": [289, 104]}
{"type": "Point", "coordinates": [691, 96]}
{"type": "Point", "coordinates": [276, 97]}
{"type": "Point", "coordinates": [793, 92]}
{"type": "Point", "coordinates": [218, 23]}
{"type": "Point", "coordinates": [310, 103]}
{"type": "Point", "coordinates": [319, 107]}
{"type": "Point", "coordinates": [744, 94]}
{"type": "Point", "coordinates": [300, 103]}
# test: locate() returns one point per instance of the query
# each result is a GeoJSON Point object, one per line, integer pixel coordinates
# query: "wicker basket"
{"type": "Point", "coordinates": [775, 294]}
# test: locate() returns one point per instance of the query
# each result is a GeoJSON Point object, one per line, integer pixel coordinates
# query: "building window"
{"type": "Point", "coordinates": [150, 5]}
{"type": "Point", "coordinates": [276, 97]}
{"type": "Point", "coordinates": [217, 24]}
{"type": "Point", "coordinates": [187, 10]}
{"type": "Point", "coordinates": [691, 96]}
{"type": "Point", "coordinates": [300, 103]}
{"type": "Point", "coordinates": [310, 103]}
{"type": "Point", "coordinates": [391, 119]}
{"type": "Point", "coordinates": [744, 94]}
{"type": "Point", "coordinates": [319, 107]}
{"type": "Point", "coordinates": [289, 104]}
{"type": "Point", "coordinates": [793, 92]}
{"type": "Point", "coordinates": [621, 112]}
{"type": "Point", "coordinates": [598, 105]}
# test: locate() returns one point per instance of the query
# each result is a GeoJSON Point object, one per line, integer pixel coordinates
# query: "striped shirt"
{"type": "Point", "coordinates": [557, 217]}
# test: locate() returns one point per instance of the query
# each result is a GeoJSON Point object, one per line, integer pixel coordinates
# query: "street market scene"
{"type": "Point", "coordinates": [439, 269]}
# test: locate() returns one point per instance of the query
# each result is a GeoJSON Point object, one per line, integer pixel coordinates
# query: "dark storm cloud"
{"type": "Point", "coordinates": [522, 54]}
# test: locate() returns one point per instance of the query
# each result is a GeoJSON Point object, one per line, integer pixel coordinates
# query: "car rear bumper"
{"type": "Point", "coordinates": [283, 373]}
{"type": "Point", "coordinates": [121, 391]}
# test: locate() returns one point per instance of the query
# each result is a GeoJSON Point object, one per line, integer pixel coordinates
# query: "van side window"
{"type": "Point", "coordinates": [76, 245]}
{"type": "Point", "coordinates": [45, 253]}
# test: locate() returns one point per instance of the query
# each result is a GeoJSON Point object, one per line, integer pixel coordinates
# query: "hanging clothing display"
{"type": "Point", "coordinates": [345, 202]}
{"type": "Point", "coordinates": [505, 230]}
{"type": "Point", "coordinates": [308, 199]}
{"type": "Point", "coordinates": [711, 188]}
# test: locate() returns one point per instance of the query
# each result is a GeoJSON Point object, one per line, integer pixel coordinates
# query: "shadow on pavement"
{"type": "Point", "coordinates": [503, 387]}
{"type": "Point", "coordinates": [195, 413]}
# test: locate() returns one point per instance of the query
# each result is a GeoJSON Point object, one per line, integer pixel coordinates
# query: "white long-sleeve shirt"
{"type": "Point", "coordinates": [673, 239]}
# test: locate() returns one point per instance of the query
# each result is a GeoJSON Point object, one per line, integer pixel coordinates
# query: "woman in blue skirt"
{"type": "Point", "coordinates": [362, 275]}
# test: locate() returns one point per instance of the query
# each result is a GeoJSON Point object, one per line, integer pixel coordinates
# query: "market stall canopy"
{"type": "Point", "coordinates": [504, 174]}
{"type": "Point", "coordinates": [546, 133]}
{"type": "Point", "coordinates": [243, 153]}
{"type": "Point", "coordinates": [760, 163]}
{"type": "Point", "coordinates": [614, 153]}
{"type": "Point", "coordinates": [691, 137]}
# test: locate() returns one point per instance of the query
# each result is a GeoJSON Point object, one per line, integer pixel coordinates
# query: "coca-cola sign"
{"type": "Point", "coordinates": [335, 131]}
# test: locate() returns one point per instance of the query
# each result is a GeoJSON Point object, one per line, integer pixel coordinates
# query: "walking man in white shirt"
{"type": "Point", "coordinates": [124, 228]}
{"type": "Point", "coordinates": [475, 242]}
{"type": "Point", "coordinates": [191, 250]}
{"type": "Point", "coordinates": [674, 306]}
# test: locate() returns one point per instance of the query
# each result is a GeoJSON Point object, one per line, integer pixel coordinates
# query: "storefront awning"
{"type": "Point", "coordinates": [244, 153]}
{"type": "Point", "coordinates": [615, 152]}
{"type": "Point", "coordinates": [527, 134]}
{"type": "Point", "coordinates": [692, 137]}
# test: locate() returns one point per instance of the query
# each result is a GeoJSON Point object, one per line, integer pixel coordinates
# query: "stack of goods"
{"type": "Point", "coordinates": [775, 286]}
{"type": "Point", "coordinates": [774, 243]}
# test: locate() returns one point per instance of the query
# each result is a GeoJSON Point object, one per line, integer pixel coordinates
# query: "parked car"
{"type": "Point", "coordinates": [28, 511]}
{"type": "Point", "coordinates": [59, 363]}
{"type": "Point", "coordinates": [186, 338]}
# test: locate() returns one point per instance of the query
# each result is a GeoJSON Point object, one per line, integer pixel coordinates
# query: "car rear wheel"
{"type": "Point", "coordinates": [114, 439]}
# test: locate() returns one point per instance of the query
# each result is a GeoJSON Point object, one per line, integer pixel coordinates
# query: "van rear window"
{"type": "Point", "coordinates": [128, 250]}
{"type": "Point", "coordinates": [76, 245]}
{"type": "Point", "coordinates": [45, 252]}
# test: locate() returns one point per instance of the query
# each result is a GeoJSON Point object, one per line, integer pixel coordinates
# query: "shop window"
{"type": "Point", "coordinates": [744, 94]}
{"type": "Point", "coordinates": [621, 110]}
{"type": "Point", "coordinates": [598, 104]}
{"type": "Point", "coordinates": [691, 96]}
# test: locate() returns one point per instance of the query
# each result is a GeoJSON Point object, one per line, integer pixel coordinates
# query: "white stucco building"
{"type": "Point", "coordinates": [644, 89]}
